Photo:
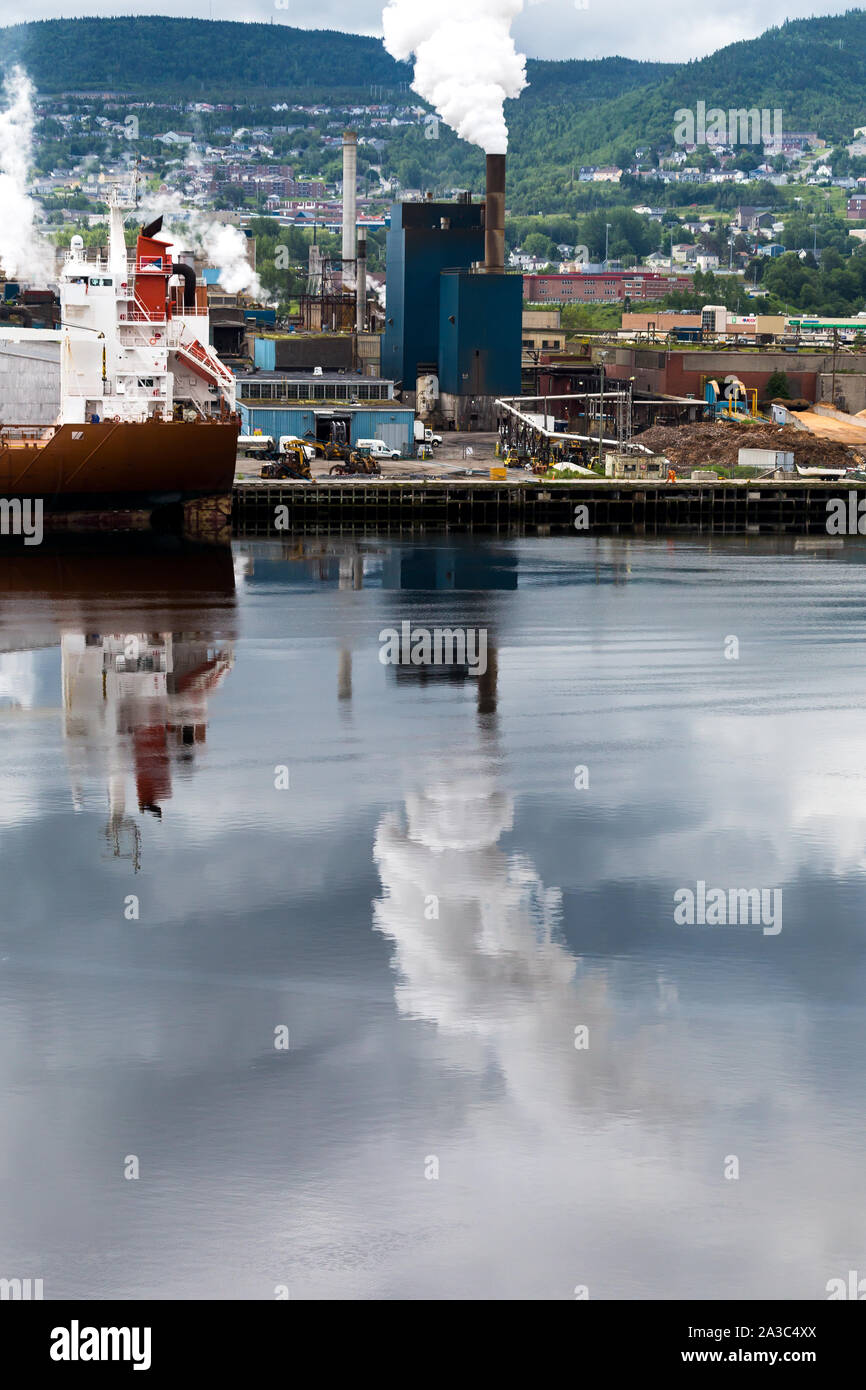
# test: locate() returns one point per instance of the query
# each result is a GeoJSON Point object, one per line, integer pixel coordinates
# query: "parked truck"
{"type": "Point", "coordinates": [423, 435]}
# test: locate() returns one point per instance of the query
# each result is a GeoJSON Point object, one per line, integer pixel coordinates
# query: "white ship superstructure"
{"type": "Point", "coordinates": [135, 334]}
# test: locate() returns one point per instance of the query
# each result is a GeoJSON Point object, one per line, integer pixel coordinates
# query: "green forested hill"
{"type": "Point", "coordinates": [573, 112]}
{"type": "Point", "coordinates": [813, 70]}
{"type": "Point", "coordinates": [160, 55]}
{"type": "Point", "coordinates": [215, 59]}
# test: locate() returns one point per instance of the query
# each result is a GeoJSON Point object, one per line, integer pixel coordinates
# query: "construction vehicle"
{"type": "Point", "coordinates": [359, 461]}
{"type": "Point", "coordinates": [514, 459]}
{"type": "Point", "coordinates": [531, 463]}
{"type": "Point", "coordinates": [292, 463]}
{"type": "Point", "coordinates": [331, 451]}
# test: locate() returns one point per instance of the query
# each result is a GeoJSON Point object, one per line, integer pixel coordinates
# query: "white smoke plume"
{"type": "Point", "coordinates": [23, 251]}
{"type": "Point", "coordinates": [466, 64]}
{"type": "Point", "coordinates": [223, 244]}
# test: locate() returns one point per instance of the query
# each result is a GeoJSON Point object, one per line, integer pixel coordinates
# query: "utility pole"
{"type": "Point", "coordinates": [607, 227]}
{"type": "Point", "coordinates": [833, 380]}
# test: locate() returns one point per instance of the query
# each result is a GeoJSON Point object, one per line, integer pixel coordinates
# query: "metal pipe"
{"type": "Point", "coordinates": [494, 215]}
{"type": "Point", "coordinates": [361, 282]}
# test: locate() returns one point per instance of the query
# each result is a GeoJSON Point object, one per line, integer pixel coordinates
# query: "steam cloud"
{"type": "Point", "coordinates": [222, 243]}
{"type": "Point", "coordinates": [23, 252]}
{"type": "Point", "coordinates": [466, 64]}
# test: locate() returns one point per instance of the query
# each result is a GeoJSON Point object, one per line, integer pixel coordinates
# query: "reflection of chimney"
{"type": "Point", "coordinates": [361, 282]}
{"type": "Point", "coordinates": [344, 675]}
{"type": "Point", "coordinates": [494, 214]}
{"type": "Point", "coordinates": [350, 204]}
{"type": "Point", "coordinates": [488, 682]}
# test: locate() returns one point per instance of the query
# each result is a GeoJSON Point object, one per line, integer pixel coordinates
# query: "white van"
{"type": "Point", "coordinates": [378, 449]}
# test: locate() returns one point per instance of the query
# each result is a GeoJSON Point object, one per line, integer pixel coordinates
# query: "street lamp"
{"type": "Point", "coordinates": [833, 384]}
{"type": "Point", "coordinates": [601, 357]}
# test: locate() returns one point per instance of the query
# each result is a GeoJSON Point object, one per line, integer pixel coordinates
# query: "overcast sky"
{"type": "Point", "coordinates": [548, 29]}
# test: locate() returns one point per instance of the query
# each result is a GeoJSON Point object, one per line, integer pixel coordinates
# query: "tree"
{"type": "Point", "coordinates": [540, 246]}
{"type": "Point", "coordinates": [777, 386]}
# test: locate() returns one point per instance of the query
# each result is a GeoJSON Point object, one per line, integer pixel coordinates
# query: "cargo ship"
{"type": "Point", "coordinates": [147, 409]}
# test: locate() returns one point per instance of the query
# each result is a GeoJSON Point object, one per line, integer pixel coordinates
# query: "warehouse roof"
{"type": "Point", "coordinates": [314, 378]}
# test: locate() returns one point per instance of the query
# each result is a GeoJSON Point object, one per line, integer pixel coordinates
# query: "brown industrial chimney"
{"type": "Point", "coordinates": [494, 215]}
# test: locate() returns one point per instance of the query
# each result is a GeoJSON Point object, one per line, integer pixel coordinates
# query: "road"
{"type": "Point", "coordinates": [450, 459]}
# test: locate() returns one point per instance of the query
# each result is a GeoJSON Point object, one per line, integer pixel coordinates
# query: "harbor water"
{"type": "Point", "coordinates": [329, 974]}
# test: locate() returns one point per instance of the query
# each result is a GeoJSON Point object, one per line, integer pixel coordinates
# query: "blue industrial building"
{"type": "Point", "coordinates": [452, 310]}
{"type": "Point", "coordinates": [423, 240]}
{"type": "Point", "coordinates": [480, 318]}
{"type": "Point", "coordinates": [393, 426]}
{"type": "Point", "coordinates": [311, 405]}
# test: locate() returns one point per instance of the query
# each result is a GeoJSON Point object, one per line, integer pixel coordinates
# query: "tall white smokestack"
{"type": "Point", "coordinates": [350, 205]}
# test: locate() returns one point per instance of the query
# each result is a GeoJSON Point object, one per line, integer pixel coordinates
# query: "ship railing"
{"type": "Point", "coordinates": [197, 351]}
{"type": "Point", "coordinates": [141, 316]}
{"type": "Point", "coordinates": [26, 432]}
{"type": "Point", "coordinates": [140, 337]}
{"type": "Point", "coordinates": [138, 314]}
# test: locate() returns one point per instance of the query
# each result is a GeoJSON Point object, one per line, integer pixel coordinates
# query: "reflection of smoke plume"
{"type": "Point", "coordinates": [22, 251]}
{"type": "Point", "coordinates": [488, 970]}
{"type": "Point", "coordinates": [465, 61]}
{"type": "Point", "coordinates": [223, 244]}
{"type": "Point", "coordinates": [488, 959]}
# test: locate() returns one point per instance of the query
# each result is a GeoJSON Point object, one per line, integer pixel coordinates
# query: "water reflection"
{"type": "Point", "coordinates": [134, 699]}
{"type": "Point", "coordinates": [508, 910]}
{"type": "Point", "coordinates": [135, 705]}
{"type": "Point", "coordinates": [478, 948]}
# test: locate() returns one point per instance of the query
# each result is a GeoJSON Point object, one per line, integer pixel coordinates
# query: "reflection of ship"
{"type": "Point", "coordinates": [83, 583]}
{"type": "Point", "coordinates": [136, 703]}
{"type": "Point", "coordinates": [147, 411]}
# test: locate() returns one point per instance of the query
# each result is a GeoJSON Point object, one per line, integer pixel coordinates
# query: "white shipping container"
{"type": "Point", "coordinates": [779, 459]}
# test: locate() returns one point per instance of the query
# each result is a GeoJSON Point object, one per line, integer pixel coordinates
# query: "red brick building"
{"type": "Point", "coordinates": [685, 373]}
{"type": "Point", "coordinates": [611, 287]}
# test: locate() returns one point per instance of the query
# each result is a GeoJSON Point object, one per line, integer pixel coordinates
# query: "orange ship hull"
{"type": "Point", "coordinates": [122, 464]}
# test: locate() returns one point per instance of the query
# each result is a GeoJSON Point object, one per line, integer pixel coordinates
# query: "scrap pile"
{"type": "Point", "coordinates": [707, 445]}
